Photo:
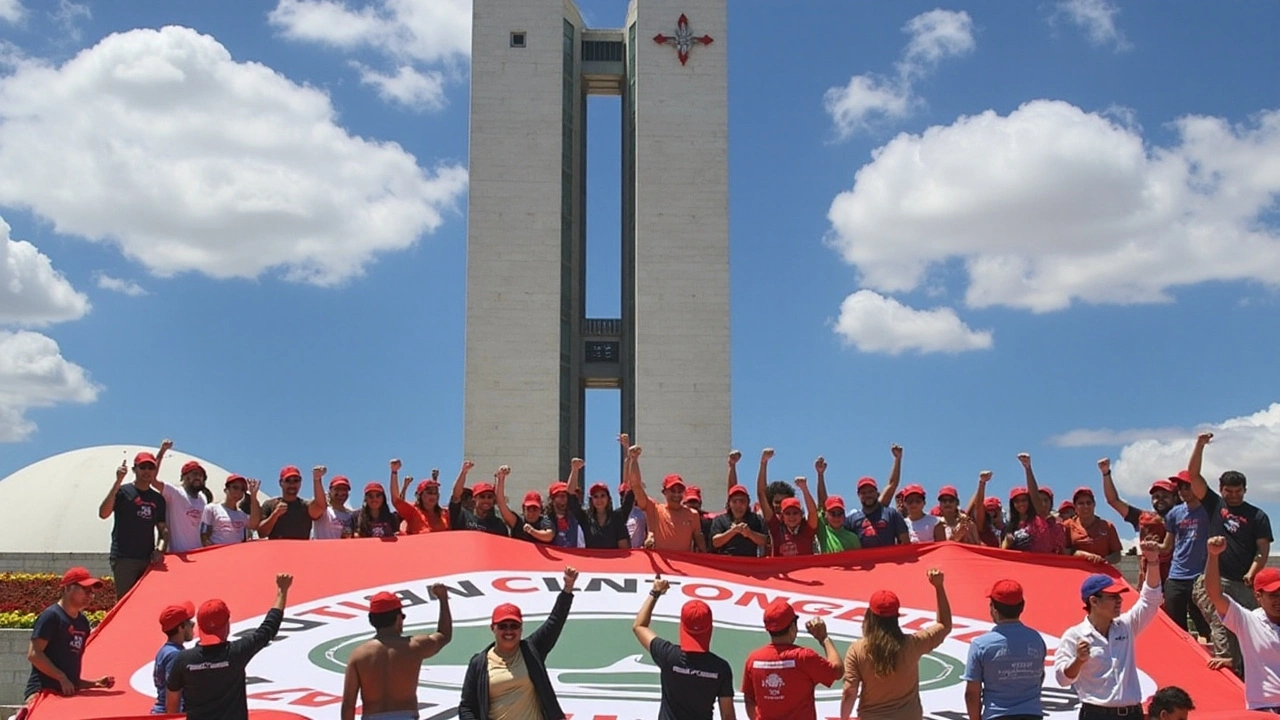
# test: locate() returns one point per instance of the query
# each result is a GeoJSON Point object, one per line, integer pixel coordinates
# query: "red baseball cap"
{"type": "Point", "coordinates": [1082, 490]}
{"type": "Point", "coordinates": [507, 611]}
{"type": "Point", "coordinates": [1150, 520]}
{"type": "Point", "coordinates": [695, 627]}
{"type": "Point", "coordinates": [290, 471]}
{"type": "Point", "coordinates": [693, 492]}
{"type": "Point", "coordinates": [531, 499]}
{"type": "Point", "coordinates": [671, 481]}
{"type": "Point", "coordinates": [1181, 477]}
{"type": "Point", "coordinates": [174, 615]}
{"type": "Point", "coordinates": [1016, 492]}
{"type": "Point", "coordinates": [834, 501]}
{"type": "Point", "coordinates": [191, 466]}
{"type": "Point", "coordinates": [790, 503]}
{"type": "Point", "coordinates": [1006, 592]}
{"type": "Point", "coordinates": [80, 576]}
{"type": "Point", "coordinates": [992, 503]}
{"type": "Point", "coordinates": [481, 487]}
{"type": "Point", "coordinates": [214, 622]}
{"type": "Point", "coordinates": [1267, 580]}
{"type": "Point", "coordinates": [778, 616]}
{"type": "Point", "coordinates": [885, 604]}
{"type": "Point", "coordinates": [936, 511]}
{"type": "Point", "coordinates": [598, 488]}
{"type": "Point", "coordinates": [233, 478]}
{"type": "Point", "coordinates": [908, 490]}
{"type": "Point", "coordinates": [949, 491]}
{"type": "Point", "coordinates": [739, 490]}
{"type": "Point", "coordinates": [557, 488]}
{"type": "Point", "coordinates": [1066, 505]}
{"type": "Point", "coordinates": [1166, 484]}
{"type": "Point", "coordinates": [340, 481]}
{"type": "Point", "coordinates": [384, 602]}
{"type": "Point", "coordinates": [144, 457]}
{"type": "Point", "coordinates": [426, 484]}
{"type": "Point", "coordinates": [374, 487]}
{"type": "Point", "coordinates": [865, 482]}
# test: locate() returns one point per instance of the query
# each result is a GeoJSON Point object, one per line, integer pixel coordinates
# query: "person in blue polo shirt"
{"type": "Point", "coordinates": [1005, 669]}
{"type": "Point", "coordinates": [177, 622]}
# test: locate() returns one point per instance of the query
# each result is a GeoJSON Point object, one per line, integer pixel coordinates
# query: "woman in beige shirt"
{"type": "Point", "coordinates": [882, 669]}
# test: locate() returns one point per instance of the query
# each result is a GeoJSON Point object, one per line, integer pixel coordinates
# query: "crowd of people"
{"type": "Point", "coordinates": [1204, 556]}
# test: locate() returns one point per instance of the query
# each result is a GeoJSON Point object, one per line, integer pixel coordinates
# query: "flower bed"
{"type": "Point", "coordinates": [24, 595]}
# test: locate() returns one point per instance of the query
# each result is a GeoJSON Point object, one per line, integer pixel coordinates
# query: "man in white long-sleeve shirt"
{"type": "Point", "coordinates": [1096, 657]}
{"type": "Point", "coordinates": [1258, 630]}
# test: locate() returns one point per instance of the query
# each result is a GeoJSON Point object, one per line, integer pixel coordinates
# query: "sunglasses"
{"type": "Point", "coordinates": [145, 466]}
{"type": "Point", "coordinates": [508, 625]}
{"type": "Point", "coordinates": [374, 495]}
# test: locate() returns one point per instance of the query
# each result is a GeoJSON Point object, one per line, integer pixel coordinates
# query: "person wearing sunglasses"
{"type": "Point", "coordinates": [375, 519]}
{"type": "Point", "coordinates": [425, 514]}
{"type": "Point", "coordinates": [139, 534]}
{"type": "Point", "coordinates": [289, 517]}
{"type": "Point", "coordinates": [225, 523]}
{"type": "Point", "coordinates": [509, 677]}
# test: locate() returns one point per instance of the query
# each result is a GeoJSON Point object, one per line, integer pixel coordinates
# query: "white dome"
{"type": "Point", "coordinates": [55, 501]}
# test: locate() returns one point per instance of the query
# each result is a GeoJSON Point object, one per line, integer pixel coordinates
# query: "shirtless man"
{"type": "Point", "coordinates": [383, 672]}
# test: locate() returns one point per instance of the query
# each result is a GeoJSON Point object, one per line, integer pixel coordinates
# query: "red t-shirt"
{"type": "Point", "coordinates": [784, 543]}
{"type": "Point", "coordinates": [780, 680]}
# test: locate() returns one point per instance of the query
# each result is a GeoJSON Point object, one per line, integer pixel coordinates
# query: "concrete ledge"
{"type": "Point", "coordinates": [14, 668]}
{"type": "Point", "coordinates": [55, 563]}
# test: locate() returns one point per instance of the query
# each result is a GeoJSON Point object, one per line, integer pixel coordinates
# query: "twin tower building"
{"type": "Point", "coordinates": [531, 351]}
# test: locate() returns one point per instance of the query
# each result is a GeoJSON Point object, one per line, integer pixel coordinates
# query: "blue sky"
{"type": "Point", "coordinates": [970, 228]}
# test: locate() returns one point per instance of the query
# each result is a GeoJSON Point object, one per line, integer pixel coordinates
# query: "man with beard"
{"type": "Point", "coordinates": [671, 525]}
{"type": "Point", "coordinates": [483, 518]}
{"type": "Point", "coordinates": [382, 673]}
{"type": "Point", "coordinates": [139, 518]}
{"type": "Point", "coordinates": [183, 508]}
{"type": "Point", "coordinates": [876, 524]}
{"type": "Point", "coordinates": [289, 517]}
{"type": "Point", "coordinates": [1255, 629]}
{"type": "Point", "coordinates": [1148, 523]}
{"type": "Point", "coordinates": [335, 523]}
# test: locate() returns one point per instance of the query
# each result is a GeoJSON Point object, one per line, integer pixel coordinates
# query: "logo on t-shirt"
{"type": "Point", "coordinates": [773, 684]}
{"type": "Point", "coordinates": [145, 510]}
{"type": "Point", "coordinates": [76, 641]}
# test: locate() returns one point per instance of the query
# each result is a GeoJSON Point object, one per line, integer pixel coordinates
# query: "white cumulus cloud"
{"type": "Point", "coordinates": [191, 161]}
{"type": "Point", "coordinates": [124, 287]}
{"type": "Point", "coordinates": [408, 87]}
{"type": "Point", "coordinates": [877, 324]}
{"type": "Point", "coordinates": [1248, 444]}
{"type": "Point", "coordinates": [1097, 18]}
{"type": "Point", "coordinates": [1052, 205]}
{"type": "Point", "coordinates": [1105, 437]}
{"type": "Point", "coordinates": [868, 99]}
{"type": "Point", "coordinates": [32, 293]}
{"type": "Point", "coordinates": [11, 11]}
{"type": "Point", "coordinates": [33, 374]}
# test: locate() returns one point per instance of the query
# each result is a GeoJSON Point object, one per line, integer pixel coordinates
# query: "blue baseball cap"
{"type": "Point", "coordinates": [1095, 584]}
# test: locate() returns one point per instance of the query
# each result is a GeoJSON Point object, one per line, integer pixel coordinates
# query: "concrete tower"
{"type": "Point", "coordinates": [531, 352]}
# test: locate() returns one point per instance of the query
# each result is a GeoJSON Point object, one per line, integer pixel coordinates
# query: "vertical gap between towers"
{"type": "Point", "coordinates": [604, 407]}
{"type": "Point", "coordinates": [604, 207]}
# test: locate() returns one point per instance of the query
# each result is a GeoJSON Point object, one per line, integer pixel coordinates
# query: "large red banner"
{"type": "Point", "coordinates": [599, 670]}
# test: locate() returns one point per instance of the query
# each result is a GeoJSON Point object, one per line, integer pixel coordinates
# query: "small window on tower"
{"type": "Point", "coordinates": [517, 39]}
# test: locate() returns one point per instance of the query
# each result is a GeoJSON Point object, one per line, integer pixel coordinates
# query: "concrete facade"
{"type": "Point", "coordinates": [531, 353]}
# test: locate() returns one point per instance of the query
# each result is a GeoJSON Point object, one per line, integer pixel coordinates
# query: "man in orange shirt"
{"type": "Point", "coordinates": [672, 525]}
{"type": "Point", "coordinates": [779, 678]}
{"type": "Point", "coordinates": [1089, 536]}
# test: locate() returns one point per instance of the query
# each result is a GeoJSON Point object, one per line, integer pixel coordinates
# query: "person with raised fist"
{"type": "Point", "coordinates": [833, 537]}
{"type": "Point", "coordinates": [1032, 526]}
{"type": "Point", "coordinates": [533, 525]}
{"type": "Point", "coordinates": [791, 533]}
{"type": "Point", "coordinates": [1190, 525]}
{"type": "Point", "coordinates": [876, 524]}
{"type": "Point", "coordinates": [483, 517]}
{"type": "Point", "coordinates": [561, 496]}
{"type": "Point", "coordinates": [882, 668]}
{"type": "Point", "coordinates": [1096, 657]}
{"type": "Point", "coordinates": [426, 514]}
{"type": "Point", "coordinates": [208, 680]}
{"type": "Point", "coordinates": [224, 523]}
{"type": "Point", "coordinates": [637, 523]}
{"type": "Point", "coordinates": [1149, 524]}
{"type": "Point", "coordinates": [1256, 630]}
{"type": "Point", "coordinates": [139, 534]}
{"type": "Point", "coordinates": [184, 509]}
{"type": "Point", "coordinates": [603, 527]}
{"type": "Point", "coordinates": [672, 525]}
{"type": "Point", "coordinates": [694, 679]}
{"type": "Point", "coordinates": [509, 678]}
{"type": "Point", "coordinates": [737, 531]}
{"type": "Point", "coordinates": [783, 664]}
{"type": "Point", "coordinates": [289, 517]}
{"type": "Point", "coordinates": [335, 523]}
{"type": "Point", "coordinates": [382, 673]}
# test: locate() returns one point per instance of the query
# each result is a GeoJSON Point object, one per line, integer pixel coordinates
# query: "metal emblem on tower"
{"type": "Point", "coordinates": [684, 39]}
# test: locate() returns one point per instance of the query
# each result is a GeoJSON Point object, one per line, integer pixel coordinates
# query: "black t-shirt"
{"type": "Point", "coordinates": [386, 524]}
{"type": "Point", "coordinates": [691, 682]}
{"type": "Point", "coordinates": [738, 546]}
{"type": "Point", "coordinates": [211, 678]}
{"type": "Point", "coordinates": [517, 531]}
{"type": "Point", "coordinates": [606, 536]}
{"type": "Point", "coordinates": [133, 536]}
{"type": "Point", "coordinates": [1242, 526]}
{"type": "Point", "coordinates": [295, 524]}
{"type": "Point", "coordinates": [65, 636]}
{"type": "Point", "coordinates": [462, 519]}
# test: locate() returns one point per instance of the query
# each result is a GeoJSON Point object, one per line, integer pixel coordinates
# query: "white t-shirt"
{"type": "Point", "coordinates": [922, 530]}
{"type": "Point", "coordinates": [183, 515]}
{"type": "Point", "coordinates": [1260, 648]}
{"type": "Point", "coordinates": [330, 525]}
{"type": "Point", "coordinates": [226, 525]}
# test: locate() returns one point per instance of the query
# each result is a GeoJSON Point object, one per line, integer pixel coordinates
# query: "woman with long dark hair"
{"type": "Point", "coordinates": [952, 524]}
{"type": "Point", "coordinates": [426, 514]}
{"type": "Point", "coordinates": [882, 668]}
{"type": "Point", "coordinates": [1031, 527]}
{"type": "Point", "coordinates": [603, 527]}
{"type": "Point", "coordinates": [375, 519]}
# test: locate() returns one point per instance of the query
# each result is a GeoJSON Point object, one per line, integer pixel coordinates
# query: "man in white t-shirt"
{"type": "Point", "coordinates": [184, 506]}
{"type": "Point", "coordinates": [226, 523]}
{"type": "Point", "coordinates": [1258, 630]}
{"type": "Point", "coordinates": [920, 523]}
{"type": "Point", "coordinates": [335, 523]}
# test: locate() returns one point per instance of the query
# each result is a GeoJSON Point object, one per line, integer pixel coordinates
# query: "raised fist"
{"type": "Point", "coordinates": [634, 451]}
{"type": "Point", "coordinates": [1217, 544]}
{"type": "Point", "coordinates": [624, 440]}
{"type": "Point", "coordinates": [897, 451]}
{"type": "Point", "coordinates": [577, 464]}
{"type": "Point", "coordinates": [435, 473]}
{"type": "Point", "coordinates": [165, 446]}
{"type": "Point", "coordinates": [984, 476]}
{"type": "Point", "coordinates": [570, 577]}
{"type": "Point", "coordinates": [395, 465]}
{"type": "Point", "coordinates": [1204, 438]}
{"type": "Point", "coordinates": [767, 455]}
{"type": "Point", "coordinates": [1083, 649]}
{"type": "Point", "coordinates": [660, 585]}
{"type": "Point", "coordinates": [466, 466]}
{"type": "Point", "coordinates": [1025, 459]}
{"type": "Point", "coordinates": [735, 456]}
{"type": "Point", "coordinates": [439, 592]}
{"type": "Point", "coordinates": [801, 481]}
{"type": "Point", "coordinates": [504, 471]}
{"type": "Point", "coordinates": [820, 464]}
{"type": "Point", "coordinates": [936, 577]}
{"type": "Point", "coordinates": [1104, 465]}
{"type": "Point", "coordinates": [817, 627]}
{"type": "Point", "coordinates": [318, 471]}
